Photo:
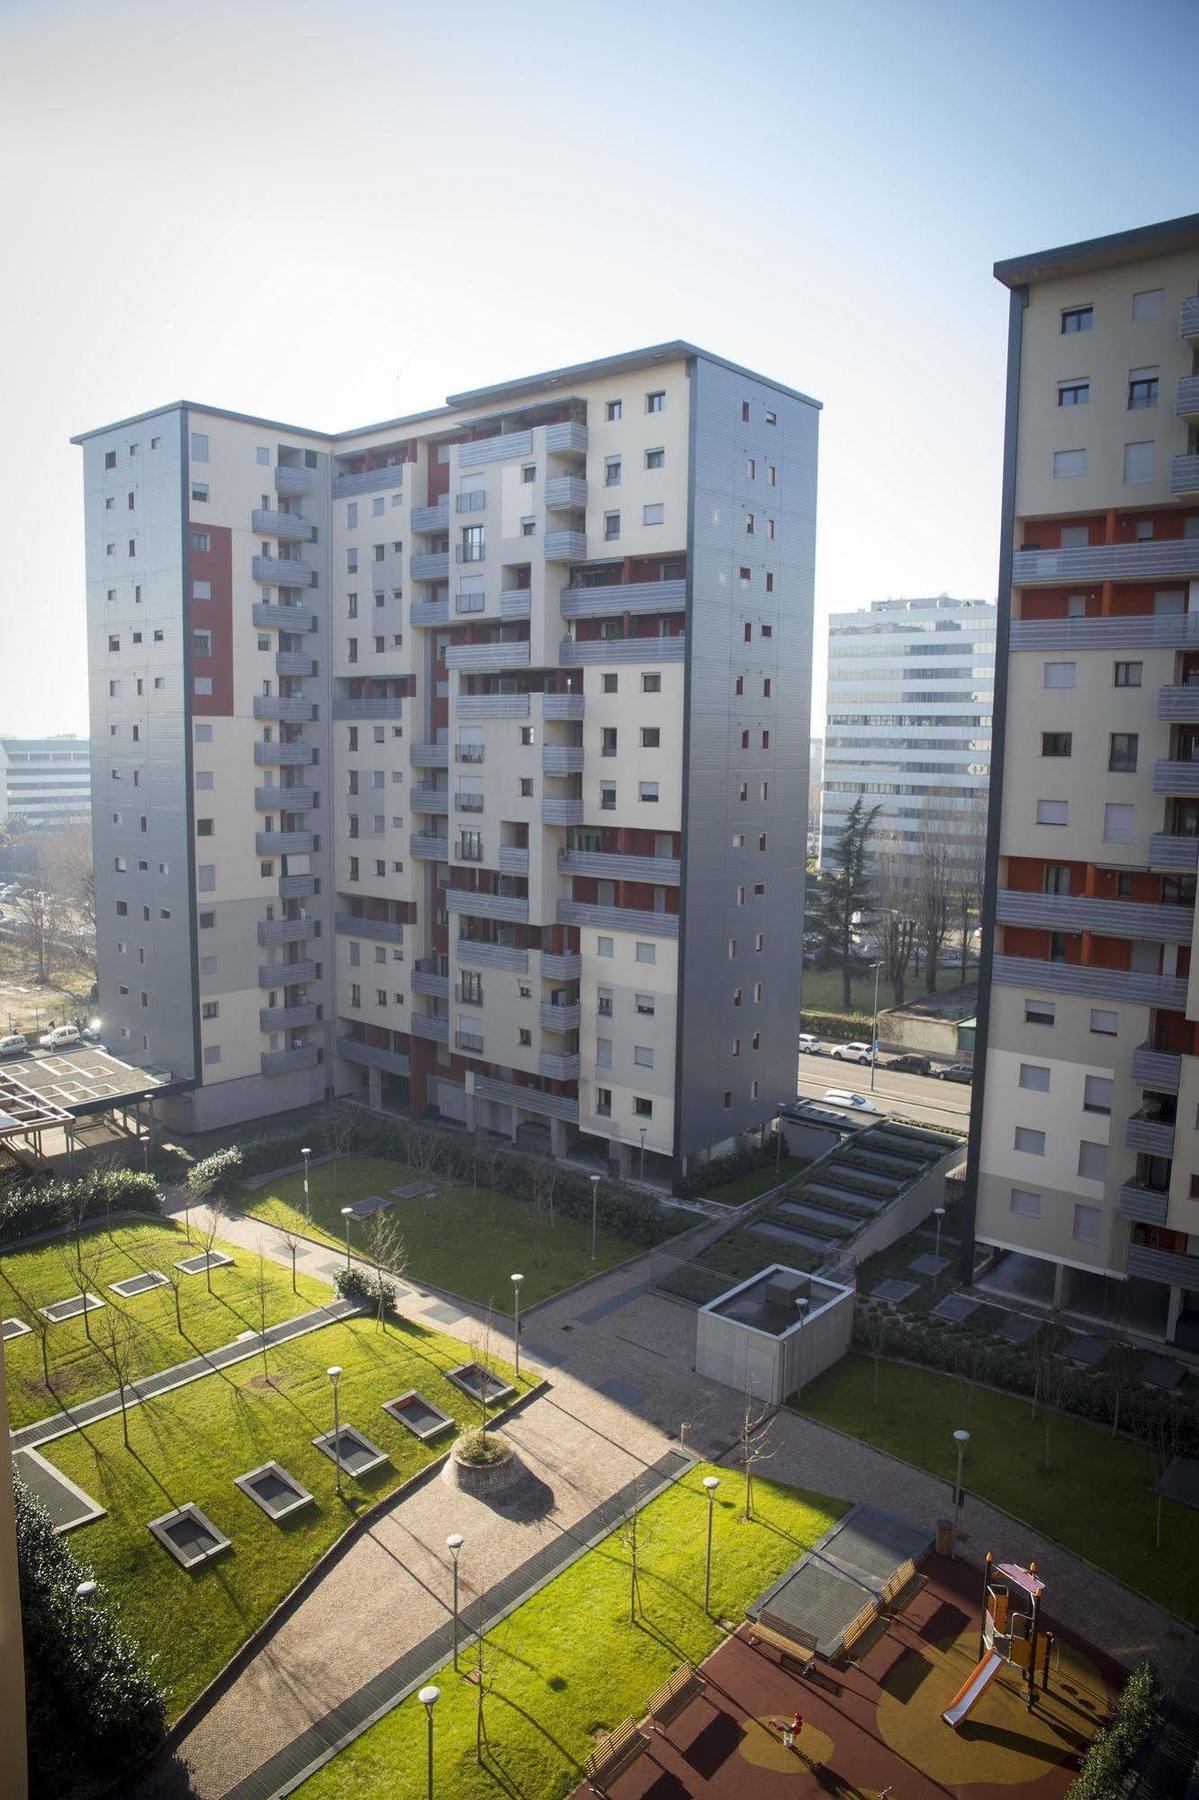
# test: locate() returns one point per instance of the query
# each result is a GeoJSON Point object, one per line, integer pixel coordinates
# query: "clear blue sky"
{"type": "Point", "coordinates": [331, 214]}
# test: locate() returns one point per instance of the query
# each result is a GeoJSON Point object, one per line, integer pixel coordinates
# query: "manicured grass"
{"type": "Point", "coordinates": [1096, 1498]}
{"type": "Point", "coordinates": [78, 1367]}
{"type": "Point", "coordinates": [190, 1444]}
{"type": "Point", "coordinates": [464, 1240]}
{"type": "Point", "coordinates": [569, 1659]}
{"type": "Point", "coordinates": [758, 1181]}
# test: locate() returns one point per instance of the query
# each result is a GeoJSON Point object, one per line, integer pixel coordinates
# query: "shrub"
{"type": "Point", "coordinates": [1111, 1755]}
{"type": "Point", "coordinates": [478, 1448]}
{"type": "Point", "coordinates": [88, 1689]}
{"type": "Point", "coordinates": [215, 1174]}
{"type": "Point", "coordinates": [364, 1286]}
{"type": "Point", "coordinates": [723, 1169]}
{"type": "Point", "coordinates": [841, 1028]}
{"type": "Point", "coordinates": [42, 1205]}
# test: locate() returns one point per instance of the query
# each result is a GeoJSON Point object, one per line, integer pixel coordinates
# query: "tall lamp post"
{"type": "Point", "coordinates": [347, 1213]}
{"type": "Point", "coordinates": [939, 1214]}
{"type": "Point", "coordinates": [711, 1483]}
{"type": "Point", "coordinates": [516, 1281]}
{"type": "Point", "coordinates": [961, 1439]}
{"type": "Point", "coordinates": [454, 1545]}
{"type": "Point", "coordinates": [874, 1028]}
{"type": "Point", "coordinates": [801, 1307]}
{"type": "Point", "coordinates": [428, 1697]}
{"type": "Point", "coordinates": [334, 1374]}
{"type": "Point", "coordinates": [595, 1181]}
{"type": "Point", "coordinates": [306, 1152]}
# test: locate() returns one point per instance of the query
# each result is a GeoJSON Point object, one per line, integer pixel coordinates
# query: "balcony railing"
{"type": "Point", "coordinates": [1166, 991]}
{"type": "Point", "coordinates": [568, 811]}
{"type": "Point", "coordinates": [496, 449]}
{"type": "Point", "coordinates": [284, 1018]}
{"type": "Point", "coordinates": [372, 1056]}
{"type": "Point", "coordinates": [513, 859]}
{"type": "Point", "coordinates": [433, 849]}
{"type": "Point", "coordinates": [572, 654]}
{"type": "Point", "coordinates": [291, 482]}
{"type": "Point", "coordinates": [1164, 1265]}
{"type": "Point", "coordinates": [294, 663]}
{"type": "Point", "coordinates": [1179, 705]}
{"type": "Point", "coordinates": [346, 708]}
{"type": "Point", "coordinates": [431, 518]}
{"type": "Point", "coordinates": [1188, 317]}
{"type": "Point", "coordinates": [380, 931]}
{"type": "Point", "coordinates": [528, 1099]}
{"type": "Point", "coordinates": [1105, 562]}
{"type": "Point", "coordinates": [1172, 852]}
{"type": "Point", "coordinates": [368, 481]}
{"type": "Point", "coordinates": [429, 756]}
{"type": "Point", "coordinates": [1080, 912]}
{"type": "Point", "coordinates": [281, 571]}
{"type": "Point", "coordinates": [429, 565]}
{"type": "Point", "coordinates": [470, 753]}
{"type": "Point", "coordinates": [296, 887]}
{"type": "Point", "coordinates": [1127, 631]}
{"type": "Point", "coordinates": [471, 500]}
{"type": "Point", "coordinates": [563, 706]}
{"type": "Point", "coordinates": [429, 612]}
{"type": "Point", "coordinates": [560, 1018]}
{"type": "Point", "coordinates": [512, 907]}
{"type": "Point", "coordinates": [569, 435]}
{"type": "Point", "coordinates": [515, 603]}
{"type": "Point", "coordinates": [558, 1068]}
{"type": "Point", "coordinates": [1147, 1206]}
{"type": "Point", "coordinates": [565, 546]}
{"type": "Point", "coordinates": [284, 799]}
{"type": "Point", "coordinates": [285, 931]}
{"type": "Point", "coordinates": [289, 526]}
{"type": "Point", "coordinates": [273, 616]}
{"type": "Point", "coordinates": [1154, 1137]}
{"type": "Point", "coordinates": [424, 1025]}
{"type": "Point", "coordinates": [292, 710]}
{"type": "Point", "coordinates": [284, 756]}
{"type": "Point", "coordinates": [492, 956]}
{"type": "Point", "coordinates": [481, 658]}
{"type": "Point", "coordinates": [561, 968]}
{"type": "Point", "coordinates": [283, 843]}
{"type": "Point", "coordinates": [287, 1062]}
{"type": "Point", "coordinates": [1160, 1069]}
{"type": "Point", "coordinates": [637, 597]}
{"type": "Point", "coordinates": [469, 803]}
{"type": "Point", "coordinates": [469, 1042]}
{"type": "Point", "coordinates": [1184, 474]}
{"type": "Point", "coordinates": [492, 706]}
{"type": "Point", "coordinates": [430, 982]}
{"type": "Point", "coordinates": [427, 799]}
{"type": "Point", "coordinates": [562, 759]}
{"type": "Point", "coordinates": [285, 974]}
{"type": "Point", "coordinates": [1175, 777]}
{"type": "Point", "coordinates": [663, 871]}
{"type": "Point", "coordinates": [565, 493]}
{"type": "Point", "coordinates": [618, 918]}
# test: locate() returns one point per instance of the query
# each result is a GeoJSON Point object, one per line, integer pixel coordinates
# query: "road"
{"type": "Point", "coordinates": [915, 1096]}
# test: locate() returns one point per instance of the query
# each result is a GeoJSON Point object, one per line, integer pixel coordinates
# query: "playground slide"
{"type": "Point", "coordinates": [971, 1688]}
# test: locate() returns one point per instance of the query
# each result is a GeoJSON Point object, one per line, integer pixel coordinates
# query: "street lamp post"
{"type": "Point", "coordinates": [961, 1439]}
{"type": "Point", "coordinates": [306, 1152]}
{"type": "Point", "coordinates": [939, 1214]}
{"type": "Point", "coordinates": [454, 1544]}
{"type": "Point", "coordinates": [334, 1374]}
{"type": "Point", "coordinates": [347, 1213]}
{"type": "Point", "coordinates": [874, 1028]}
{"type": "Point", "coordinates": [711, 1483]}
{"type": "Point", "coordinates": [428, 1697]}
{"type": "Point", "coordinates": [801, 1307]}
{"type": "Point", "coordinates": [778, 1140]}
{"type": "Point", "coordinates": [641, 1175]}
{"type": "Point", "coordinates": [516, 1281]}
{"type": "Point", "coordinates": [595, 1181]}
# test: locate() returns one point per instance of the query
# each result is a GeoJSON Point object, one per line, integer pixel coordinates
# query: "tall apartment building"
{"type": "Point", "coordinates": [908, 725]}
{"type": "Point", "coordinates": [458, 762]}
{"type": "Point", "coordinates": [45, 781]}
{"type": "Point", "coordinates": [1085, 1155]}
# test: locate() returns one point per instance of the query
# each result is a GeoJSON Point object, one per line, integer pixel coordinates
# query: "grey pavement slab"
{"type": "Point", "coordinates": [955, 1308]}
{"type": "Point", "coordinates": [789, 1234]}
{"type": "Point", "coordinates": [1018, 1328]}
{"type": "Point", "coordinates": [929, 1265]}
{"type": "Point", "coordinates": [66, 1503]}
{"type": "Point", "coordinates": [894, 1291]}
{"type": "Point", "coordinates": [413, 1190]}
{"type": "Point", "coordinates": [370, 1203]}
{"type": "Point", "coordinates": [1162, 1372]}
{"type": "Point", "coordinates": [613, 1303]}
{"type": "Point", "coordinates": [1083, 1347]}
{"type": "Point", "coordinates": [1181, 1482]}
{"type": "Point", "coordinates": [625, 1393]}
{"type": "Point", "coordinates": [444, 1313]}
{"type": "Point", "coordinates": [15, 1328]}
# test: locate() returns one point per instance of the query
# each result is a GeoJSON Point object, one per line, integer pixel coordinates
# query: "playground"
{"type": "Point", "coordinates": [876, 1725]}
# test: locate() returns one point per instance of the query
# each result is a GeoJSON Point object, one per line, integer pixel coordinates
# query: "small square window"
{"type": "Point", "coordinates": [1031, 1142]}
{"type": "Point", "coordinates": [613, 410]}
{"type": "Point", "coordinates": [653, 514]}
{"type": "Point", "coordinates": [605, 946]}
{"type": "Point", "coordinates": [655, 459]}
{"type": "Point", "coordinates": [610, 683]}
{"type": "Point", "coordinates": [655, 402]}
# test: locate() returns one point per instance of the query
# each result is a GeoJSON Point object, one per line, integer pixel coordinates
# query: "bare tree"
{"type": "Point", "coordinates": [632, 1535]}
{"type": "Point", "coordinates": [175, 1277]}
{"type": "Point", "coordinates": [293, 1240]}
{"type": "Point", "coordinates": [484, 1681]}
{"type": "Point", "coordinates": [895, 921]}
{"type": "Point", "coordinates": [1165, 1444]}
{"type": "Point", "coordinates": [37, 917]}
{"type": "Point", "coordinates": [1045, 1347]}
{"type": "Point", "coordinates": [339, 1133]}
{"type": "Point", "coordinates": [1122, 1365]}
{"type": "Point", "coordinates": [79, 1253]}
{"type": "Point", "coordinates": [210, 1231]}
{"type": "Point", "coordinates": [118, 1338]}
{"type": "Point", "coordinates": [969, 865]}
{"type": "Point", "coordinates": [874, 1321]}
{"type": "Point", "coordinates": [41, 1325]}
{"type": "Point", "coordinates": [543, 1179]}
{"type": "Point", "coordinates": [933, 896]}
{"type": "Point", "coordinates": [754, 1445]}
{"type": "Point", "coordinates": [262, 1293]}
{"type": "Point", "coordinates": [481, 1345]}
{"type": "Point", "coordinates": [388, 1256]}
{"type": "Point", "coordinates": [64, 860]}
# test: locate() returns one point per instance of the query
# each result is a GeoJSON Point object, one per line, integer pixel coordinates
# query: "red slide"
{"type": "Point", "coordinates": [971, 1688]}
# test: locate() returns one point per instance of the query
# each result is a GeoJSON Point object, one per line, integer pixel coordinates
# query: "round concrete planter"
{"type": "Point", "coordinates": [484, 1479]}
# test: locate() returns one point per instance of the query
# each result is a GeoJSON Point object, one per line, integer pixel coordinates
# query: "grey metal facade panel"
{"type": "Point", "coordinates": [1106, 562]}
{"type": "Point", "coordinates": [1129, 631]}
{"type": "Point", "coordinates": [1161, 1069]}
{"type": "Point", "coordinates": [1111, 918]}
{"type": "Point", "coordinates": [1170, 852]}
{"type": "Point", "coordinates": [1091, 981]}
{"type": "Point", "coordinates": [1164, 1265]}
{"type": "Point", "coordinates": [718, 608]}
{"type": "Point", "coordinates": [1147, 1206]}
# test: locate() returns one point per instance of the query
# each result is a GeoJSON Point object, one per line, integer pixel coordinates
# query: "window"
{"type": "Point", "coordinates": [603, 1102]}
{"type": "Point", "coordinates": [1118, 824]}
{"type": "Point", "coordinates": [1031, 1142]}
{"type": "Point", "coordinates": [212, 1054]}
{"type": "Point", "coordinates": [201, 643]}
{"type": "Point", "coordinates": [643, 1109]}
{"type": "Point", "coordinates": [1097, 1094]}
{"type": "Point", "coordinates": [603, 1053]}
{"type": "Point", "coordinates": [1040, 1012]}
{"type": "Point", "coordinates": [199, 490]}
{"type": "Point", "coordinates": [605, 946]}
{"type": "Point", "coordinates": [201, 540]}
{"type": "Point", "coordinates": [655, 402]}
{"type": "Point", "coordinates": [611, 525]}
{"type": "Point", "coordinates": [1138, 463]}
{"type": "Point", "coordinates": [1073, 393]}
{"type": "Point", "coordinates": [528, 527]}
{"type": "Point", "coordinates": [1105, 1023]}
{"type": "Point", "coordinates": [1150, 303]}
{"type": "Point", "coordinates": [1059, 674]}
{"type": "Point", "coordinates": [1092, 1161]}
{"type": "Point", "coordinates": [749, 524]}
{"type": "Point", "coordinates": [526, 787]}
{"type": "Point", "coordinates": [262, 455]}
{"type": "Point", "coordinates": [650, 684]}
{"type": "Point", "coordinates": [646, 953]}
{"type": "Point", "coordinates": [655, 459]}
{"type": "Point", "coordinates": [611, 471]}
{"type": "Point", "coordinates": [651, 737]}
{"type": "Point", "coordinates": [654, 514]}
{"type": "Point", "coordinates": [643, 1056]}
{"type": "Point", "coordinates": [1035, 1076]}
{"type": "Point", "coordinates": [207, 921]}
{"type": "Point", "coordinates": [647, 790]}
{"type": "Point", "coordinates": [1127, 674]}
{"type": "Point", "coordinates": [644, 1004]}
{"type": "Point", "coordinates": [1087, 1221]}
{"type": "Point", "coordinates": [202, 686]}
{"type": "Point", "coordinates": [607, 796]}
{"type": "Point", "coordinates": [473, 544]}
{"type": "Point", "coordinates": [1068, 465]}
{"type": "Point", "coordinates": [1142, 389]}
{"type": "Point", "coordinates": [1025, 1204]}
{"type": "Point", "coordinates": [206, 878]}
{"type": "Point", "coordinates": [1077, 318]}
{"type": "Point", "coordinates": [528, 473]}
{"type": "Point", "coordinates": [608, 740]}
{"type": "Point", "coordinates": [211, 1009]}
{"type": "Point", "coordinates": [528, 734]}
{"type": "Point", "coordinates": [603, 1002]}
{"type": "Point", "coordinates": [206, 779]}
{"type": "Point", "coordinates": [613, 410]}
{"type": "Point", "coordinates": [1056, 743]}
{"type": "Point", "coordinates": [351, 562]}
{"type": "Point", "coordinates": [1122, 753]}
{"type": "Point", "coordinates": [1053, 812]}
{"type": "Point", "coordinates": [110, 459]}
{"type": "Point", "coordinates": [204, 828]}
{"type": "Point", "coordinates": [199, 446]}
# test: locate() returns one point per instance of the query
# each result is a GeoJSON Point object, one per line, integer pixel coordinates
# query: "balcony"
{"type": "Point", "coordinates": [429, 565]}
{"type": "Point", "coordinates": [389, 708]}
{"type": "Point", "coordinates": [425, 980]}
{"type": "Point", "coordinates": [1164, 1265]}
{"type": "Point", "coordinates": [515, 603]}
{"type": "Point", "coordinates": [624, 597]}
{"type": "Point", "coordinates": [559, 1018]}
{"type": "Point", "coordinates": [1179, 705]}
{"type": "Point", "coordinates": [573, 654]}
{"type": "Point", "coordinates": [379, 931]}
{"type": "Point", "coordinates": [565, 493]}
{"type": "Point", "coordinates": [284, 756]}
{"type": "Point", "coordinates": [287, 1062]}
{"type": "Point", "coordinates": [558, 1068]}
{"type": "Point", "coordinates": [427, 799]}
{"type": "Point", "coordinates": [296, 887]}
{"type": "Point", "coordinates": [528, 1099]}
{"type": "Point", "coordinates": [285, 974]}
{"type": "Point", "coordinates": [1184, 475]}
{"type": "Point", "coordinates": [563, 706]}
{"type": "Point", "coordinates": [513, 859]}
{"type": "Point", "coordinates": [1188, 317]}
{"type": "Point", "coordinates": [271, 615]}
{"type": "Point", "coordinates": [471, 500]}
{"type": "Point", "coordinates": [289, 526]}
{"type": "Point", "coordinates": [289, 710]}
{"type": "Point", "coordinates": [1173, 853]}
{"type": "Point", "coordinates": [469, 1042]}
{"type": "Point", "coordinates": [1175, 777]}
{"type": "Point", "coordinates": [469, 803]}
{"type": "Point", "coordinates": [1146, 1206]}
{"type": "Point", "coordinates": [425, 1025]}
{"type": "Point", "coordinates": [368, 481]}
{"type": "Point", "coordinates": [568, 811]}
{"type": "Point", "coordinates": [1157, 1068]}
{"type": "Point", "coordinates": [1153, 1136]}
{"type": "Point", "coordinates": [285, 931]}
{"type": "Point", "coordinates": [1079, 912]}
{"type": "Point", "coordinates": [431, 518]}
{"type": "Point", "coordinates": [280, 571]}
{"type": "Point", "coordinates": [1105, 562]}
{"type": "Point", "coordinates": [663, 871]}
{"type": "Point", "coordinates": [570, 436]}
{"type": "Point", "coordinates": [562, 759]}
{"type": "Point", "coordinates": [1186, 397]}
{"type": "Point", "coordinates": [495, 449]}
{"type": "Point", "coordinates": [284, 799]}
{"type": "Point", "coordinates": [512, 907]}
{"type": "Point", "coordinates": [618, 918]}
{"type": "Point", "coordinates": [429, 612]}
{"type": "Point", "coordinates": [294, 663]}
{"type": "Point", "coordinates": [433, 849]}
{"type": "Point", "coordinates": [492, 956]}
{"type": "Point", "coordinates": [492, 706]}
{"type": "Point", "coordinates": [483, 658]}
{"type": "Point", "coordinates": [292, 482]}
{"type": "Point", "coordinates": [565, 546]}
{"type": "Point", "coordinates": [283, 843]}
{"type": "Point", "coordinates": [1130, 631]}
{"type": "Point", "coordinates": [372, 1056]}
{"type": "Point", "coordinates": [284, 1018]}
{"type": "Point", "coordinates": [561, 968]}
{"type": "Point", "coordinates": [1166, 991]}
{"type": "Point", "coordinates": [429, 756]}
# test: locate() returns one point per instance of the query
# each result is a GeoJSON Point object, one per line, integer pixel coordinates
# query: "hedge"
{"type": "Point", "coordinates": [1110, 1757]}
{"type": "Point", "coordinates": [842, 1028]}
{"type": "Point", "coordinates": [46, 1205]}
{"type": "Point", "coordinates": [364, 1286]}
{"type": "Point", "coordinates": [723, 1169]}
{"type": "Point", "coordinates": [89, 1698]}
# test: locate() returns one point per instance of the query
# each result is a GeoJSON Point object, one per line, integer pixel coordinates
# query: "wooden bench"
{"type": "Point", "coordinates": [613, 1753]}
{"type": "Point", "coordinates": [666, 1702]}
{"type": "Point", "coordinates": [796, 1646]}
{"type": "Point", "coordinates": [896, 1585]}
{"type": "Point", "coordinates": [856, 1630]}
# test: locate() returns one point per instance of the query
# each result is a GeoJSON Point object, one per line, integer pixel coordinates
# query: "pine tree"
{"type": "Point", "coordinates": [843, 895]}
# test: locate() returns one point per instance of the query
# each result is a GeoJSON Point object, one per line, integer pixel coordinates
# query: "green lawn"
{"type": "Point", "coordinates": [569, 1659]}
{"type": "Point", "coordinates": [78, 1368]}
{"type": "Point", "coordinates": [821, 989]}
{"type": "Point", "coordinates": [189, 1445]}
{"type": "Point", "coordinates": [758, 1181]}
{"type": "Point", "coordinates": [1097, 1497]}
{"type": "Point", "coordinates": [465, 1241]}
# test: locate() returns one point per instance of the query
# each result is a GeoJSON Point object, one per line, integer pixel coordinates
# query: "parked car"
{"type": "Point", "coordinates": [61, 1037]}
{"type": "Point", "coordinates": [843, 1097]}
{"type": "Point", "coordinates": [954, 1072]}
{"type": "Point", "coordinates": [910, 1065]}
{"type": "Point", "coordinates": [809, 1045]}
{"type": "Point", "coordinates": [14, 1046]}
{"type": "Point", "coordinates": [91, 1033]}
{"type": "Point", "coordinates": [855, 1052]}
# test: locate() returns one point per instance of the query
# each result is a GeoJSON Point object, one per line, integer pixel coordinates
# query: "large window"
{"type": "Point", "coordinates": [1077, 318]}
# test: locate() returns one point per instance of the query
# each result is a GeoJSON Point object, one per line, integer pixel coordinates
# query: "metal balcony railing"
{"type": "Point", "coordinates": [492, 956]}
{"type": "Point", "coordinates": [662, 871]}
{"type": "Point", "coordinates": [1106, 562]}
{"type": "Point", "coordinates": [560, 1018]}
{"type": "Point", "coordinates": [618, 918]}
{"type": "Point", "coordinates": [380, 931]}
{"type": "Point", "coordinates": [280, 571]}
{"type": "Point", "coordinates": [431, 518]}
{"type": "Point", "coordinates": [284, 756]}
{"type": "Point", "coordinates": [286, 1018]}
{"type": "Point", "coordinates": [1147, 1206]}
{"type": "Point", "coordinates": [289, 526]}
{"type": "Point", "coordinates": [368, 481]}
{"type": "Point", "coordinates": [291, 482]}
{"type": "Point", "coordinates": [372, 1056]}
{"type": "Point", "coordinates": [287, 1062]}
{"type": "Point", "coordinates": [572, 654]}
{"type": "Point", "coordinates": [283, 843]}
{"type": "Point", "coordinates": [512, 907]}
{"type": "Point", "coordinates": [1160, 1069]}
{"type": "Point", "coordinates": [485, 658]}
{"type": "Point", "coordinates": [492, 706]}
{"type": "Point", "coordinates": [561, 968]}
{"type": "Point", "coordinates": [1112, 918]}
{"type": "Point", "coordinates": [424, 1025]}
{"type": "Point", "coordinates": [563, 706]}
{"type": "Point", "coordinates": [634, 597]}
{"type": "Point", "coordinates": [1166, 991]}
{"type": "Point", "coordinates": [1167, 851]}
{"type": "Point", "coordinates": [527, 1099]}
{"type": "Point", "coordinates": [285, 974]}
{"type": "Point", "coordinates": [272, 615]}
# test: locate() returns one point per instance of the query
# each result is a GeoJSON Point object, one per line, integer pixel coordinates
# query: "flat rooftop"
{"type": "Point", "coordinates": [69, 1085]}
{"type": "Point", "coordinates": [1162, 239]}
{"type": "Point", "coordinates": [832, 1583]}
{"type": "Point", "coordinates": [766, 1302]}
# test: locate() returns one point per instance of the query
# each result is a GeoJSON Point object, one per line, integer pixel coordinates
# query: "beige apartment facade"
{"type": "Point", "coordinates": [452, 763]}
{"type": "Point", "coordinates": [1085, 1148]}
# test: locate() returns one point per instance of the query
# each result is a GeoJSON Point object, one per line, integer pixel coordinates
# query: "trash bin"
{"type": "Point", "coordinates": [944, 1537]}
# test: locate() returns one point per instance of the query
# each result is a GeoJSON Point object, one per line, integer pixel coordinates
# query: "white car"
{"type": "Point", "coordinates": [809, 1045]}
{"type": "Point", "coordinates": [855, 1052]}
{"type": "Point", "coordinates": [14, 1046]}
{"type": "Point", "coordinates": [62, 1037]}
{"type": "Point", "coordinates": [843, 1097]}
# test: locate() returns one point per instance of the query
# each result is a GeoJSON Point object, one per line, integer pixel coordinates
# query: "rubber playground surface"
{"type": "Point", "coordinates": [878, 1726]}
